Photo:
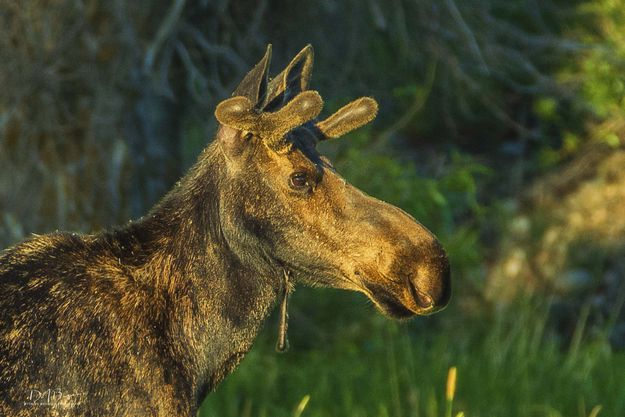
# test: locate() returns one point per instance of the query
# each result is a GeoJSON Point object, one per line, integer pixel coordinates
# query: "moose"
{"type": "Point", "coordinates": [146, 319]}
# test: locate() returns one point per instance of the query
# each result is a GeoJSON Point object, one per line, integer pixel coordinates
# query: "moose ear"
{"type": "Point", "coordinates": [292, 80]}
{"type": "Point", "coordinates": [349, 117]}
{"type": "Point", "coordinates": [254, 85]}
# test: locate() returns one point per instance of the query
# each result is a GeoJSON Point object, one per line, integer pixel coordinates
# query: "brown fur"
{"type": "Point", "coordinates": [146, 319]}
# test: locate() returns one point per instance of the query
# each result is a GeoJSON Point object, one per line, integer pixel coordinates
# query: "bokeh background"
{"type": "Point", "coordinates": [501, 128]}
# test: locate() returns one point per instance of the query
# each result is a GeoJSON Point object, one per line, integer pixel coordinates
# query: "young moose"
{"type": "Point", "coordinates": [146, 319]}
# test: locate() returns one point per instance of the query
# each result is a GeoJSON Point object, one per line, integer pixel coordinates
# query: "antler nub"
{"type": "Point", "coordinates": [238, 113]}
{"type": "Point", "coordinates": [349, 117]}
{"type": "Point", "coordinates": [302, 108]}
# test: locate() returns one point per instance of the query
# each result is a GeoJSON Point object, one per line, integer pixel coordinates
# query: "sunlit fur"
{"type": "Point", "coordinates": [144, 320]}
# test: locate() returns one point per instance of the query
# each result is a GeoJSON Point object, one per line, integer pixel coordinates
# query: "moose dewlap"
{"type": "Point", "coordinates": [145, 320]}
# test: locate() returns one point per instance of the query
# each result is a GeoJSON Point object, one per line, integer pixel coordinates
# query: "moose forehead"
{"type": "Point", "coordinates": [300, 156]}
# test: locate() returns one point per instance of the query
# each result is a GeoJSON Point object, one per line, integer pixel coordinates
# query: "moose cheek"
{"type": "Point", "coordinates": [260, 230]}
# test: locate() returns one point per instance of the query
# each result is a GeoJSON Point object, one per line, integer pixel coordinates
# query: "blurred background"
{"type": "Point", "coordinates": [501, 128]}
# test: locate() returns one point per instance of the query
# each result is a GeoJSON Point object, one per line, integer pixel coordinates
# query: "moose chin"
{"type": "Point", "coordinates": [146, 319]}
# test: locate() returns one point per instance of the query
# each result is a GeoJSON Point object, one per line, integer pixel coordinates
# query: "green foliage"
{"type": "Point", "coordinates": [596, 109]}
{"type": "Point", "coordinates": [603, 67]}
{"type": "Point", "coordinates": [546, 108]}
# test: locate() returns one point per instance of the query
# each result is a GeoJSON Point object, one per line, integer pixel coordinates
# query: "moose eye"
{"type": "Point", "coordinates": [298, 180]}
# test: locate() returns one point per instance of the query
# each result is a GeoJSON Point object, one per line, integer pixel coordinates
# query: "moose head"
{"type": "Point", "coordinates": [288, 206]}
{"type": "Point", "coordinates": [165, 307]}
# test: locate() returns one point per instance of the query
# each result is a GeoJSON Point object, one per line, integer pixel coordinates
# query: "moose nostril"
{"type": "Point", "coordinates": [423, 300]}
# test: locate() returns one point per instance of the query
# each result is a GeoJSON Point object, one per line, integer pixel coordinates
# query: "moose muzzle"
{"type": "Point", "coordinates": [428, 290]}
{"type": "Point", "coordinates": [401, 266]}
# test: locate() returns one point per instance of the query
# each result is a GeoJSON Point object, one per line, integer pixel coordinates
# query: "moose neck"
{"type": "Point", "coordinates": [185, 228]}
{"type": "Point", "coordinates": [218, 298]}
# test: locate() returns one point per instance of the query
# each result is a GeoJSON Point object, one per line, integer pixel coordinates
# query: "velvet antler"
{"type": "Point", "coordinates": [272, 109]}
{"type": "Point", "coordinates": [349, 117]}
{"type": "Point", "coordinates": [238, 113]}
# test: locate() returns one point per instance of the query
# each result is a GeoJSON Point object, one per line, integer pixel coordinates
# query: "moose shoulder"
{"type": "Point", "coordinates": [146, 319]}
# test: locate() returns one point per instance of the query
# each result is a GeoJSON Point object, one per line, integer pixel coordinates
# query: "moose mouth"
{"type": "Point", "coordinates": [411, 302]}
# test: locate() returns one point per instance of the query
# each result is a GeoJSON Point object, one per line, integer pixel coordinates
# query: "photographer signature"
{"type": "Point", "coordinates": [53, 397]}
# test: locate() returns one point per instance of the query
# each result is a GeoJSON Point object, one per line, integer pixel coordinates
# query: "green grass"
{"type": "Point", "coordinates": [508, 364]}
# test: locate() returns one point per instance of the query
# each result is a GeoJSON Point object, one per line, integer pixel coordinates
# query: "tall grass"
{"type": "Point", "coordinates": [509, 363]}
